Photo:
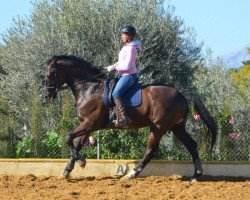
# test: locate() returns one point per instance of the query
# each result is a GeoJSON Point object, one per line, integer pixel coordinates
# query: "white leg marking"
{"type": "Point", "coordinates": [129, 176]}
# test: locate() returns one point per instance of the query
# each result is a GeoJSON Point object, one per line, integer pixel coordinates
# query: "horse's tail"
{"type": "Point", "coordinates": [208, 119]}
{"type": "Point", "coordinates": [205, 116]}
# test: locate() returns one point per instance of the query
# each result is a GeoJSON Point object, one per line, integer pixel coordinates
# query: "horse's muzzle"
{"type": "Point", "coordinates": [50, 96]}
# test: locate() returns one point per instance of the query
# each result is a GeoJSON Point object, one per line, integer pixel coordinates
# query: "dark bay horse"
{"type": "Point", "coordinates": [163, 109]}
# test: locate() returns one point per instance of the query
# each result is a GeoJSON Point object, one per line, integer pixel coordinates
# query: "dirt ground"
{"type": "Point", "coordinates": [94, 188]}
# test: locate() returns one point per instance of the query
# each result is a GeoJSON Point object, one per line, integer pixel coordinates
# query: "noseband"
{"type": "Point", "coordinates": [53, 76]}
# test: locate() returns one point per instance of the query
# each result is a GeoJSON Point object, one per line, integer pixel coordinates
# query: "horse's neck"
{"type": "Point", "coordinates": [87, 91]}
{"type": "Point", "coordinates": [84, 84]}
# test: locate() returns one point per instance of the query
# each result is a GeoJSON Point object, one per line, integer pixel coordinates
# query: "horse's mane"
{"type": "Point", "coordinates": [80, 61]}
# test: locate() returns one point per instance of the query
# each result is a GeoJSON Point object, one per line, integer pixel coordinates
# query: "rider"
{"type": "Point", "coordinates": [126, 68]}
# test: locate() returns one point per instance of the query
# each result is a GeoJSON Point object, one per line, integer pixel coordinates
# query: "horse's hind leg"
{"type": "Point", "coordinates": [191, 145]}
{"type": "Point", "coordinates": [152, 148]}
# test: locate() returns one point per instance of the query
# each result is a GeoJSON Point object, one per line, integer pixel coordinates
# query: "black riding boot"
{"type": "Point", "coordinates": [121, 115]}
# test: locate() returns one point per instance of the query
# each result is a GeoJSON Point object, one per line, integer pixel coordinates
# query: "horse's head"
{"type": "Point", "coordinates": [71, 70]}
{"type": "Point", "coordinates": [53, 79]}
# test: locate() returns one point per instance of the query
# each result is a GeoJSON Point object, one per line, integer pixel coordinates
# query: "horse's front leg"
{"type": "Point", "coordinates": [80, 159]}
{"type": "Point", "coordinates": [74, 150]}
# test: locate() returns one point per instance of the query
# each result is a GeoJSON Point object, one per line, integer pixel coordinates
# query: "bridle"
{"type": "Point", "coordinates": [53, 76]}
{"type": "Point", "coordinates": [55, 86]}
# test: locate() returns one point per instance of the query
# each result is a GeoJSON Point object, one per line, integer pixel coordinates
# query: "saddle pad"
{"type": "Point", "coordinates": [132, 96]}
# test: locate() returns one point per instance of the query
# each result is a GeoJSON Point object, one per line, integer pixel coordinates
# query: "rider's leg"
{"type": "Point", "coordinates": [121, 87]}
{"type": "Point", "coordinates": [121, 113]}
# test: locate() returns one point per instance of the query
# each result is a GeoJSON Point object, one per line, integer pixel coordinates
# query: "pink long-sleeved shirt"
{"type": "Point", "coordinates": [127, 58]}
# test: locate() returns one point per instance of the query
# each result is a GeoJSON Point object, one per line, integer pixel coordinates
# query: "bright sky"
{"type": "Point", "coordinates": [223, 25]}
{"type": "Point", "coordinates": [10, 9]}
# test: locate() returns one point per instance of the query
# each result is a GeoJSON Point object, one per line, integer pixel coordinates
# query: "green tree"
{"type": "Point", "coordinates": [241, 77]}
{"type": "Point", "coordinates": [222, 97]}
{"type": "Point", "coordinates": [35, 126]}
{"type": "Point", "coordinates": [8, 138]}
{"type": "Point", "coordinates": [67, 120]}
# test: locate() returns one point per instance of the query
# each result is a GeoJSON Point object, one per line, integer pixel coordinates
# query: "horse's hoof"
{"type": "Point", "coordinates": [64, 175]}
{"type": "Point", "coordinates": [175, 177]}
{"type": "Point", "coordinates": [193, 180]}
{"type": "Point", "coordinates": [81, 163]}
{"type": "Point", "coordinates": [125, 178]}
{"type": "Point", "coordinates": [129, 176]}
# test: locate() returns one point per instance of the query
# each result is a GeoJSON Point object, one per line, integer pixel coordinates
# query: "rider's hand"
{"type": "Point", "coordinates": [110, 68]}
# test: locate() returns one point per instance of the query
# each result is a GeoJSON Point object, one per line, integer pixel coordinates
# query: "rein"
{"type": "Point", "coordinates": [78, 83]}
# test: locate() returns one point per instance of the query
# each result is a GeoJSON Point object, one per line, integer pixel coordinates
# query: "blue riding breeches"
{"type": "Point", "coordinates": [123, 84]}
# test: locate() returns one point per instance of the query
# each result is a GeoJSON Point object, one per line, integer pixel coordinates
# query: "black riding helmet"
{"type": "Point", "coordinates": [129, 30]}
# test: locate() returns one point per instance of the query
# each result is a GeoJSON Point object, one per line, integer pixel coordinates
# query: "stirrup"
{"type": "Point", "coordinates": [121, 122]}
{"type": "Point", "coordinates": [112, 116]}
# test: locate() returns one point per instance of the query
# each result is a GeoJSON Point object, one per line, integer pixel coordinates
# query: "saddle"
{"type": "Point", "coordinates": [131, 98]}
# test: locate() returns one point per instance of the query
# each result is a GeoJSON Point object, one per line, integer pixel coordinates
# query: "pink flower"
{"type": "Point", "coordinates": [232, 120]}
{"type": "Point", "coordinates": [197, 117]}
{"type": "Point", "coordinates": [234, 135]}
{"type": "Point", "coordinates": [91, 140]}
